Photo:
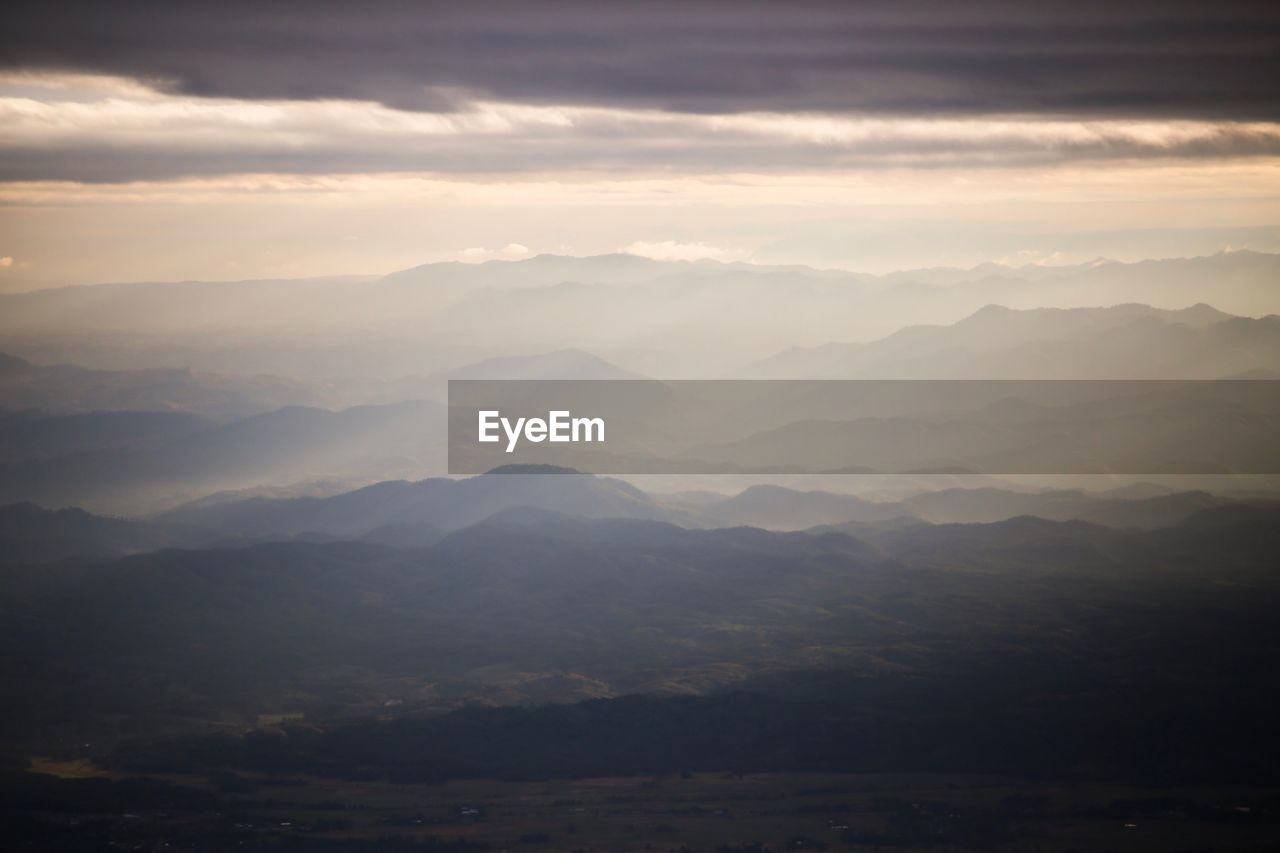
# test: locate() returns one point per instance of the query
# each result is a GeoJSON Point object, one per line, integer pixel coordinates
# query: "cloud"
{"type": "Point", "coordinates": [669, 250]}
{"type": "Point", "coordinates": [67, 128]}
{"type": "Point", "coordinates": [1151, 58]}
{"type": "Point", "coordinates": [479, 254]}
{"type": "Point", "coordinates": [1035, 258]}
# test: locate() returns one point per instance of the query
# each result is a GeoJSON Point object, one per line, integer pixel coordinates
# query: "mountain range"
{"type": "Point", "coordinates": [129, 461]}
{"type": "Point", "coordinates": [668, 319]}
{"type": "Point", "coordinates": [416, 514]}
{"type": "Point", "coordinates": [117, 440]}
{"type": "Point", "coordinates": [532, 606]}
{"type": "Point", "coordinates": [1121, 342]}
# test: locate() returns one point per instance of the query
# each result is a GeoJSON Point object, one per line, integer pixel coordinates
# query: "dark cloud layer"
{"type": "Point", "coordinates": [1145, 59]}
{"type": "Point", "coordinates": [588, 150]}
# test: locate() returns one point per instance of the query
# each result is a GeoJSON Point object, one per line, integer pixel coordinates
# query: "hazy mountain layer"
{"type": "Point", "coordinates": [414, 514]}
{"type": "Point", "coordinates": [64, 388]}
{"type": "Point", "coordinates": [159, 458]}
{"type": "Point", "coordinates": [1122, 342]}
{"type": "Point", "coordinates": [666, 319]}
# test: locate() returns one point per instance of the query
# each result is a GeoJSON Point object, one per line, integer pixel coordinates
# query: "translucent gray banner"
{"type": "Point", "coordinates": [866, 426]}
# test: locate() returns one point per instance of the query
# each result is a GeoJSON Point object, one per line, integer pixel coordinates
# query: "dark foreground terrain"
{"type": "Point", "coordinates": [538, 681]}
{"type": "Point", "coordinates": [67, 806]}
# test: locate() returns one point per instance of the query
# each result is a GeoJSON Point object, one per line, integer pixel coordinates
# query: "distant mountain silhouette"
{"type": "Point", "coordinates": [390, 512]}
{"type": "Point", "coordinates": [780, 508]}
{"type": "Point", "coordinates": [1184, 427]}
{"type": "Point", "coordinates": [85, 460]}
{"type": "Point", "coordinates": [30, 534]}
{"type": "Point", "coordinates": [560, 364]}
{"type": "Point", "coordinates": [438, 503]}
{"type": "Point", "coordinates": [654, 317]}
{"type": "Point", "coordinates": [557, 364]}
{"type": "Point", "coordinates": [1122, 342]}
{"type": "Point", "coordinates": [34, 435]}
{"type": "Point", "coordinates": [65, 388]}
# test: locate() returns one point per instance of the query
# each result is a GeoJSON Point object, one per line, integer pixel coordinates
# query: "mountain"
{"type": "Point", "coordinates": [184, 307]}
{"type": "Point", "coordinates": [133, 462]}
{"type": "Point", "coordinates": [988, 505]}
{"type": "Point", "coordinates": [507, 609]}
{"type": "Point", "coordinates": [1121, 342]}
{"type": "Point", "coordinates": [1236, 282]}
{"type": "Point", "coordinates": [437, 504]}
{"type": "Point", "coordinates": [65, 389]}
{"type": "Point", "coordinates": [34, 435]}
{"type": "Point", "coordinates": [538, 271]}
{"type": "Point", "coordinates": [398, 514]}
{"type": "Point", "coordinates": [407, 514]}
{"type": "Point", "coordinates": [995, 427]}
{"type": "Point", "coordinates": [404, 514]}
{"type": "Point", "coordinates": [779, 508]}
{"type": "Point", "coordinates": [1239, 282]}
{"type": "Point", "coordinates": [667, 319]}
{"type": "Point", "coordinates": [29, 534]}
{"type": "Point", "coordinates": [69, 389]}
{"type": "Point", "coordinates": [560, 364]}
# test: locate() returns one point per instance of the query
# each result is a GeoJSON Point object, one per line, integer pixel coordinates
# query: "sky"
{"type": "Point", "coordinates": [159, 141]}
